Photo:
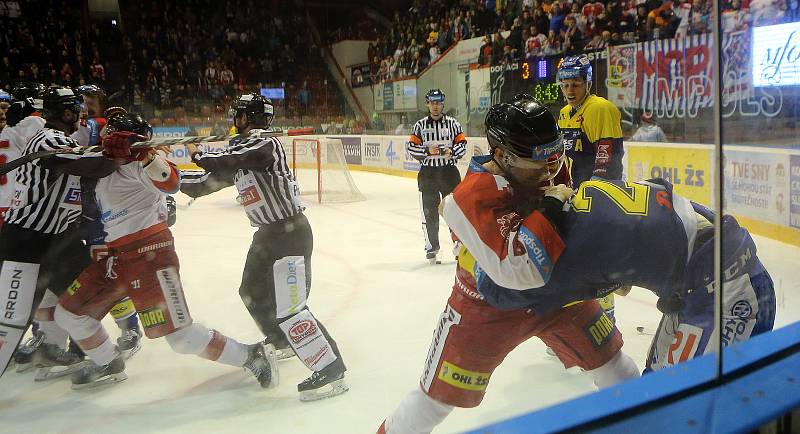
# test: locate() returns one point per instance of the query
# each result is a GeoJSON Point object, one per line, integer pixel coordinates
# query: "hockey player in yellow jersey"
{"type": "Point", "coordinates": [592, 132]}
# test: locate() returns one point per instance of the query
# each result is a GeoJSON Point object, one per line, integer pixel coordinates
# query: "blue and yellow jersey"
{"type": "Point", "coordinates": [615, 233]}
{"type": "Point", "coordinates": [593, 139]}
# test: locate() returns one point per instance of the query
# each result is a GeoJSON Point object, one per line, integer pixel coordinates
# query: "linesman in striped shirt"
{"type": "Point", "coordinates": [277, 275]}
{"type": "Point", "coordinates": [437, 141]}
{"type": "Point", "coordinates": [40, 243]}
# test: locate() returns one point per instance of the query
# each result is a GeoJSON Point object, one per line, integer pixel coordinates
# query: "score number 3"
{"type": "Point", "coordinates": [631, 198]}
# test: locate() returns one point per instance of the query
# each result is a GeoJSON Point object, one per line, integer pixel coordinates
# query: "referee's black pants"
{"type": "Point", "coordinates": [272, 242]}
{"type": "Point", "coordinates": [61, 259]}
{"type": "Point", "coordinates": [434, 183]}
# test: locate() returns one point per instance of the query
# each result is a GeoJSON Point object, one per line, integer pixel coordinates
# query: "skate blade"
{"type": "Point", "coordinates": [47, 373]}
{"type": "Point", "coordinates": [434, 261]}
{"type": "Point", "coordinates": [24, 367]}
{"type": "Point", "coordinates": [110, 379]}
{"type": "Point", "coordinates": [330, 390]}
{"type": "Point", "coordinates": [272, 357]}
{"type": "Point", "coordinates": [127, 354]}
{"type": "Point", "coordinates": [284, 354]}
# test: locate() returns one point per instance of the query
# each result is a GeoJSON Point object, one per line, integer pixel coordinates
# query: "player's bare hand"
{"type": "Point", "coordinates": [448, 152]}
{"type": "Point", "coordinates": [433, 150]}
{"type": "Point", "coordinates": [560, 192]}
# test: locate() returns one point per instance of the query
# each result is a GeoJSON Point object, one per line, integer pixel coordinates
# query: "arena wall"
{"type": "Point", "coordinates": [762, 185]}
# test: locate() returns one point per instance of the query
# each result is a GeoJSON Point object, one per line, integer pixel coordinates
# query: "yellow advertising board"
{"type": "Point", "coordinates": [687, 168]}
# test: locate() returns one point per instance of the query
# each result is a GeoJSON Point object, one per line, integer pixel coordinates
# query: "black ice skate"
{"type": "Point", "coordinates": [262, 362]}
{"type": "Point", "coordinates": [54, 362]}
{"type": "Point", "coordinates": [26, 352]}
{"type": "Point", "coordinates": [130, 342]}
{"type": "Point", "coordinates": [324, 384]}
{"type": "Point", "coordinates": [433, 257]}
{"type": "Point", "coordinates": [91, 375]}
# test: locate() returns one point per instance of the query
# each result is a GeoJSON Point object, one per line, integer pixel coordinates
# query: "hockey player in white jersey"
{"type": "Point", "coordinates": [143, 265]}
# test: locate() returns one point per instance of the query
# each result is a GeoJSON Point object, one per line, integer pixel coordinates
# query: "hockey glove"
{"type": "Point", "coordinates": [560, 192]}
{"type": "Point", "coordinates": [117, 146]}
{"type": "Point", "coordinates": [671, 304]}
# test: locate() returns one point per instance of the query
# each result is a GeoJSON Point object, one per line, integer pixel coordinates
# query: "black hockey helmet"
{"type": "Point", "coordinates": [56, 99]}
{"type": "Point", "coordinates": [132, 122]}
{"type": "Point", "coordinates": [525, 128]}
{"type": "Point", "coordinates": [259, 109]}
{"type": "Point", "coordinates": [91, 89]}
{"type": "Point", "coordinates": [435, 95]}
{"type": "Point", "coordinates": [22, 90]}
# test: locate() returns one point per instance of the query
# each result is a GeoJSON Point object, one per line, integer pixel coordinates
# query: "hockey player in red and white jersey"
{"type": "Point", "coordinates": [506, 224]}
{"type": "Point", "coordinates": [143, 265]}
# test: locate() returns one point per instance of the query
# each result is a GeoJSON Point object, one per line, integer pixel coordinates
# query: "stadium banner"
{"type": "Point", "coordinates": [396, 95]}
{"type": "Point", "coordinates": [673, 78]}
{"type": "Point", "coordinates": [688, 168]}
{"type": "Point", "coordinates": [361, 74]}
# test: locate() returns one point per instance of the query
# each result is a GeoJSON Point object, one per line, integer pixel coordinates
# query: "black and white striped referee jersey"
{"type": "Point", "coordinates": [444, 133]}
{"type": "Point", "coordinates": [257, 166]}
{"type": "Point", "coordinates": [47, 197]}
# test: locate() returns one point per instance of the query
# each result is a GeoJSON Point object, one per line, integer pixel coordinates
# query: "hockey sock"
{"type": "Point", "coordinates": [209, 344]}
{"type": "Point", "coordinates": [124, 314]}
{"type": "Point", "coordinates": [418, 413]}
{"type": "Point", "coordinates": [89, 334]}
{"type": "Point", "coordinates": [620, 368]}
{"type": "Point", "coordinates": [53, 334]}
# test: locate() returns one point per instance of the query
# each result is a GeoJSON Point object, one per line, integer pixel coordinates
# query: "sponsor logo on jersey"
{"type": "Point", "coordinates": [600, 330]}
{"type": "Point", "coordinates": [73, 288]}
{"type": "Point", "coordinates": [302, 330]}
{"type": "Point", "coordinates": [448, 318]}
{"type": "Point", "coordinates": [173, 294]}
{"type": "Point", "coordinates": [535, 251]}
{"type": "Point", "coordinates": [110, 215]}
{"type": "Point", "coordinates": [316, 357]}
{"type": "Point", "coordinates": [463, 378]}
{"type": "Point", "coordinates": [249, 196]}
{"type": "Point", "coordinates": [152, 318]}
{"type": "Point", "coordinates": [735, 325]}
{"type": "Point", "coordinates": [73, 196]}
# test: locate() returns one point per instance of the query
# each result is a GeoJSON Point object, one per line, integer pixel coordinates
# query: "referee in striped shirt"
{"type": "Point", "coordinates": [277, 273]}
{"type": "Point", "coordinates": [40, 243]}
{"type": "Point", "coordinates": [437, 141]}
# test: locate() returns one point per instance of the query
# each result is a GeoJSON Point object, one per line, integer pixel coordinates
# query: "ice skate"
{"type": "Point", "coordinates": [130, 342]}
{"type": "Point", "coordinates": [53, 362]}
{"type": "Point", "coordinates": [26, 352]}
{"type": "Point", "coordinates": [91, 375]}
{"type": "Point", "coordinates": [263, 363]}
{"type": "Point", "coordinates": [324, 384]}
{"type": "Point", "coordinates": [284, 353]}
{"type": "Point", "coordinates": [433, 257]}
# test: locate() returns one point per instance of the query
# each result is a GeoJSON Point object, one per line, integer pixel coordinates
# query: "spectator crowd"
{"type": "Point", "coordinates": [164, 54]}
{"type": "Point", "coordinates": [516, 30]}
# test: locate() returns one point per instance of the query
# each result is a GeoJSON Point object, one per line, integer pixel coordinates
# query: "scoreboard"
{"type": "Point", "coordinates": [538, 77]}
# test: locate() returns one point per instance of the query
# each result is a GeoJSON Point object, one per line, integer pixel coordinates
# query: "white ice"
{"type": "Point", "coordinates": [378, 297]}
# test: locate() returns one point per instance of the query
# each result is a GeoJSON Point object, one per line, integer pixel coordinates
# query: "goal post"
{"type": "Point", "coordinates": [320, 167]}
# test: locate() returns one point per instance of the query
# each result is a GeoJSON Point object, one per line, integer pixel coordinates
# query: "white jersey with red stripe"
{"type": "Point", "coordinates": [515, 251]}
{"type": "Point", "coordinates": [12, 142]}
{"type": "Point", "coordinates": [132, 200]}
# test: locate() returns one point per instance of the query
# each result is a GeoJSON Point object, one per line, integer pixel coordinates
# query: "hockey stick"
{"type": "Point", "coordinates": [25, 159]}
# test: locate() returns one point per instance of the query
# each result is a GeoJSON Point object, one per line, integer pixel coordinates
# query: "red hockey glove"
{"type": "Point", "coordinates": [118, 146]}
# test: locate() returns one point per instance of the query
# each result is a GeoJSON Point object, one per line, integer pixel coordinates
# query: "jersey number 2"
{"type": "Point", "coordinates": [631, 198]}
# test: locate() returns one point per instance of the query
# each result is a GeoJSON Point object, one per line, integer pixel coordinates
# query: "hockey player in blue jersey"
{"type": "Point", "coordinates": [658, 240]}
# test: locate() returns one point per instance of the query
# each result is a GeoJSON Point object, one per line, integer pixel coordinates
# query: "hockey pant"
{"type": "Point", "coordinates": [434, 183]}
{"type": "Point", "coordinates": [275, 287]}
{"type": "Point", "coordinates": [33, 262]}
{"type": "Point", "coordinates": [147, 271]}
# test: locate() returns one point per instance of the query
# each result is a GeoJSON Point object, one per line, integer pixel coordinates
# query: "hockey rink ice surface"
{"type": "Point", "coordinates": [376, 294]}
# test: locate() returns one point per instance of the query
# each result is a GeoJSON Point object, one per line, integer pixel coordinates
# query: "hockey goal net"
{"type": "Point", "coordinates": [321, 170]}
